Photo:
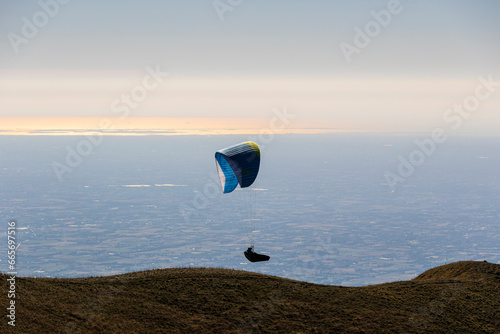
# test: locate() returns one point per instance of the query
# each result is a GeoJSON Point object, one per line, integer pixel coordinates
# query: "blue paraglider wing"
{"type": "Point", "coordinates": [226, 175]}
{"type": "Point", "coordinates": [238, 164]}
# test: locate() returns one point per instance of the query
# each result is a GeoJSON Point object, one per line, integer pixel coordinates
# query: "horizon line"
{"type": "Point", "coordinates": [142, 126]}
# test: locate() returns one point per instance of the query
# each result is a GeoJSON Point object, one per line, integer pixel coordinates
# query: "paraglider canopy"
{"type": "Point", "coordinates": [238, 164]}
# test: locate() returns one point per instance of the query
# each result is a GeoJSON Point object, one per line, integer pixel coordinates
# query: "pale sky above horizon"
{"type": "Point", "coordinates": [96, 59]}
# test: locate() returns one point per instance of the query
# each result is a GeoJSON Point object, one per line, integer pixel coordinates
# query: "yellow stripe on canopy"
{"type": "Point", "coordinates": [254, 146]}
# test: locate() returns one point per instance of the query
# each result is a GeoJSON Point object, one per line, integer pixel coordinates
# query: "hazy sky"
{"type": "Point", "coordinates": [374, 64]}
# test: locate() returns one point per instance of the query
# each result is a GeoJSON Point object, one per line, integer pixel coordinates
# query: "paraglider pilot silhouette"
{"type": "Point", "coordinates": [239, 164]}
{"type": "Point", "coordinates": [254, 257]}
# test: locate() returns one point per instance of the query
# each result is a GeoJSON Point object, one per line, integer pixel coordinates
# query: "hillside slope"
{"type": "Point", "coordinates": [462, 297]}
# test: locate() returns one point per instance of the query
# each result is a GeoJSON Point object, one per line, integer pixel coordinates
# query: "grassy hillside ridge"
{"type": "Point", "coordinates": [462, 297]}
{"type": "Point", "coordinates": [465, 270]}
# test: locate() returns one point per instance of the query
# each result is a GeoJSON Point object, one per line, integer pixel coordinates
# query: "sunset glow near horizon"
{"type": "Point", "coordinates": [57, 126]}
{"type": "Point", "coordinates": [223, 105]}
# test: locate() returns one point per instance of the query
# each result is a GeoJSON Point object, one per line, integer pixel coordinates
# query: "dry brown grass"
{"type": "Point", "coordinates": [462, 297]}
